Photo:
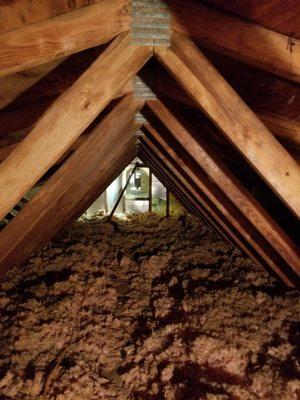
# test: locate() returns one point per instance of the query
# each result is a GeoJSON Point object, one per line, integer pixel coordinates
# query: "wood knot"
{"type": "Point", "coordinates": [291, 43]}
{"type": "Point", "coordinates": [86, 105]}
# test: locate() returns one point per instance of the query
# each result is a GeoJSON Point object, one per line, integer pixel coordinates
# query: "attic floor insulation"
{"type": "Point", "coordinates": [146, 308]}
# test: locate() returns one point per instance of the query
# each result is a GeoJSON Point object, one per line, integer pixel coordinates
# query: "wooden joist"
{"type": "Point", "coordinates": [14, 122]}
{"type": "Point", "coordinates": [127, 154]}
{"type": "Point", "coordinates": [175, 187]}
{"type": "Point", "coordinates": [55, 37]}
{"type": "Point", "coordinates": [199, 206]}
{"type": "Point", "coordinates": [233, 118]}
{"type": "Point", "coordinates": [13, 85]}
{"type": "Point", "coordinates": [231, 187]}
{"type": "Point", "coordinates": [60, 36]}
{"type": "Point", "coordinates": [72, 188]}
{"type": "Point", "coordinates": [238, 38]}
{"type": "Point", "coordinates": [173, 178]}
{"type": "Point", "coordinates": [283, 128]}
{"type": "Point", "coordinates": [220, 209]}
{"type": "Point", "coordinates": [68, 117]}
{"type": "Point", "coordinates": [14, 15]}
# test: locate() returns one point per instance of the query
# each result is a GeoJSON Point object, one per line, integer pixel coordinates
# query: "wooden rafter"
{"type": "Point", "coordinates": [234, 119]}
{"type": "Point", "coordinates": [238, 38]}
{"type": "Point", "coordinates": [176, 183]}
{"type": "Point", "coordinates": [282, 127]}
{"type": "Point", "coordinates": [15, 123]}
{"type": "Point", "coordinates": [60, 36]}
{"type": "Point", "coordinates": [72, 188]}
{"type": "Point", "coordinates": [175, 187]}
{"type": "Point", "coordinates": [230, 186]}
{"type": "Point", "coordinates": [68, 117]}
{"type": "Point", "coordinates": [13, 85]}
{"type": "Point", "coordinates": [200, 204]}
{"type": "Point", "coordinates": [220, 209]}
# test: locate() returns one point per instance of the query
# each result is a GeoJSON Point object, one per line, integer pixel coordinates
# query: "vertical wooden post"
{"type": "Point", "coordinates": [167, 203]}
{"type": "Point", "coordinates": [105, 202]}
{"type": "Point", "coordinates": [150, 190]}
{"type": "Point", "coordinates": [122, 192]}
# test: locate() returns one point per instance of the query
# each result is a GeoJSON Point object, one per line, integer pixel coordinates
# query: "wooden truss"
{"type": "Point", "coordinates": [87, 134]}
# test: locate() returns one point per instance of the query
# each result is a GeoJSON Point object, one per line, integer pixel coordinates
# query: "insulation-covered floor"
{"type": "Point", "coordinates": [146, 308]}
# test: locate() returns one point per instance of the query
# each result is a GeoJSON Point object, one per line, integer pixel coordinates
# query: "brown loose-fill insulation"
{"type": "Point", "coordinates": [146, 308]}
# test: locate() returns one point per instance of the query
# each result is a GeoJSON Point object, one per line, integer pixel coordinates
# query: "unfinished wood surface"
{"type": "Point", "coordinates": [177, 185]}
{"type": "Point", "coordinates": [234, 118]}
{"type": "Point", "coordinates": [65, 34]}
{"type": "Point", "coordinates": [238, 38]}
{"type": "Point", "coordinates": [20, 118]}
{"type": "Point", "coordinates": [222, 211]}
{"type": "Point", "coordinates": [15, 14]}
{"type": "Point", "coordinates": [7, 149]}
{"type": "Point", "coordinates": [239, 232]}
{"type": "Point", "coordinates": [220, 174]}
{"type": "Point", "coordinates": [13, 85]}
{"type": "Point", "coordinates": [63, 194]}
{"type": "Point", "coordinates": [68, 117]}
{"type": "Point", "coordinates": [171, 181]}
{"type": "Point", "coordinates": [282, 127]}
{"type": "Point", "coordinates": [127, 154]}
{"type": "Point", "coordinates": [282, 16]}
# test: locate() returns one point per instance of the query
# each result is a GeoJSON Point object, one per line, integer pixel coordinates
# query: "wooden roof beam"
{"type": "Point", "coordinates": [210, 213]}
{"type": "Point", "coordinates": [76, 184]}
{"type": "Point", "coordinates": [68, 117]}
{"type": "Point", "coordinates": [174, 189]}
{"type": "Point", "coordinates": [57, 37]}
{"type": "Point", "coordinates": [233, 118]}
{"type": "Point", "coordinates": [238, 38]}
{"type": "Point", "coordinates": [231, 187]}
{"type": "Point", "coordinates": [13, 85]}
{"type": "Point", "coordinates": [222, 210]}
{"type": "Point", "coordinates": [283, 128]}
{"type": "Point", "coordinates": [192, 199]}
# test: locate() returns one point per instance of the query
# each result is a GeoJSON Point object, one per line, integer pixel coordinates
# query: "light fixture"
{"type": "Point", "coordinates": [137, 179]}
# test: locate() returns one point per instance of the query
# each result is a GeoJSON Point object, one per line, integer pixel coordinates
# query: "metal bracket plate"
{"type": "Point", "coordinates": [150, 25]}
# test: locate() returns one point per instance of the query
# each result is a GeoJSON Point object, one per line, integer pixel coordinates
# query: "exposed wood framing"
{"type": "Point", "coordinates": [7, 147]}
{"type": "Point", "coordinates": [122, 192]}
{"type": "Point", "coordinates": [233, 189]}
{"type": "Point", "coordinates": [168, 179]}
{"type": "Point", "coordinates": [238, 38]}
{"type": "Point", "coordinates": [67, 193]}
{"type": "Point", "coordinates": [150, 191]}
{"type": "Point", "coordinates": [167, 202]}
{"type": "Point", "coordinates": [13, 85]}
{"type": "Point", "coordinates": [282, 127]}
{"type": "Point", "coordinates": [233, 117]}
{"type": "Point", "coordinates": [68, 117]}
{"type": "Point", "coordinates": [60, 36]}
{"type": "Point", "coordinates": [195, 200]}
{"type": "Point", "coordinates": [15, 123]}
{"type": "Point", "coordinates": [163, 176]}
{"type": "Point", "coordinates": [220, 213]}
{"type": "Point", "coordinates": [14, 15]}
{"type": "Point", "coordinates": [126, 157]}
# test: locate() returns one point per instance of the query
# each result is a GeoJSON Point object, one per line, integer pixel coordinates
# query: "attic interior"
{"type": "Point", "coordinates": [150, 199]}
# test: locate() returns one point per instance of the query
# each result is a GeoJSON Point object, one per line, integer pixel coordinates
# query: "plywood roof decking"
{"type": "Point", "coordinates": [259, 57]}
